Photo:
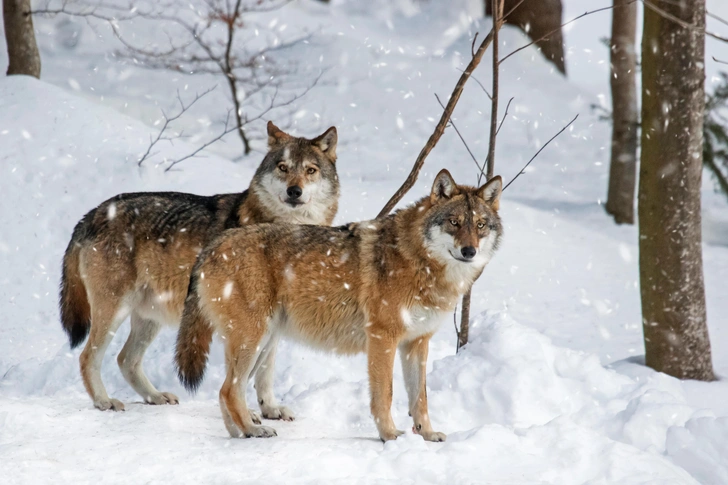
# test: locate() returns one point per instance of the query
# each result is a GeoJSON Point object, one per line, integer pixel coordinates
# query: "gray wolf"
{"type": "Point", "coordinates": [133, 254]}
{"type": "Point", "coordinates": [377, 287]}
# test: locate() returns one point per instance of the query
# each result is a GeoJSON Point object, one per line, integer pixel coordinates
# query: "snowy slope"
{"type": "Point", "coordinates": [528, 401]}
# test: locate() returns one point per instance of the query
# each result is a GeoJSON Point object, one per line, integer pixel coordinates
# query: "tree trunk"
{"type": "Point", "coordinates": [623, 163]}
{"type": "Point", "coordinates": [671, 264]}
{"type": "Point", "coordinates": [23, 53]}
{"type": "Point", "coordinates": [537, 18]}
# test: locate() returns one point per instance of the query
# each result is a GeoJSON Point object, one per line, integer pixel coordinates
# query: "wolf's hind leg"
{"type": "Point", "coordinates": [130, 360]}
{"type": "Point", "coordinates": [105, 320]}
{"type": "Point", "coordinates": [264, 368]}
{"type": "Point", "coordinates": [241, 352]}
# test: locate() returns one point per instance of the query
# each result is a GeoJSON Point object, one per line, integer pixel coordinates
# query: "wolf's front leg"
{"type": "Point", "coordinates": [414, 361]}
{"type": "Point", "coordinates": [380, 355]}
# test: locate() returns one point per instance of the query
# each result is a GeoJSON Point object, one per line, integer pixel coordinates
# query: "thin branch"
{"type": "Point", "coordinates": [487, 158]}
{"type": "Point", "coordinates": [719, 61]}
{"type": "Point", "coordinates": [452, 123]}
{"type": "Point", "coordinates": [479, 84]}
{"type": "Point", "coordinates": [504, 115]}
{"type": "Point", "coordinates": [539, 151]}
{"type": "Point", "coordinates": [227, 129]}
{"type": "Point", "coordinates": [681, 22]}
{"type": "Point", "coordinates": [719, 19]}
{"type": "Point", "coordinates": [167, 120]}
{"type": "Point", "coordinates": [548, 34]}
{"type": "Point", "coordinates": [439, 129]}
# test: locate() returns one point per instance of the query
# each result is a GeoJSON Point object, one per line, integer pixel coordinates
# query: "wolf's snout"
{"type": "Point", "coordinates": [294, 191]}
{"type": "Point", "coordinates": [468, 252]}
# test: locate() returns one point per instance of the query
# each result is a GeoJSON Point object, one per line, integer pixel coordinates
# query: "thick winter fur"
{"type": "Point", "coordinates": [374, 287]}
{"type": "Point", "coordinates": [133, 254]}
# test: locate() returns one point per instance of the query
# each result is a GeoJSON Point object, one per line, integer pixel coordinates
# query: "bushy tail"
{"type": "Point", "coordinates": [193, 341]}
{"type": "Point", "coordinates": [73, 300]}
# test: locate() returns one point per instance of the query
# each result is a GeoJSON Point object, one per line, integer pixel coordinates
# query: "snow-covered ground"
{"type": "Point", "coordinates": [550, 390]}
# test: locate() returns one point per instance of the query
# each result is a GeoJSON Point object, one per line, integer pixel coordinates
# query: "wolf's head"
{"type": "Point", "coordinates": [297, 180]}
{"type": "Point", "coordinates": [462, 228]}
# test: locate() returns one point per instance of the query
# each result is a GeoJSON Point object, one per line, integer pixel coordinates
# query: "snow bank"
{"type": "Point", "coordinates": [518, 409]}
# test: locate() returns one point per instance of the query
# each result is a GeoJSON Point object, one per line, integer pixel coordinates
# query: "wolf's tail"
{"type": "Point", "coordinates": [73, 300]}
{"type": "Point", "coordinates": [193, 340]}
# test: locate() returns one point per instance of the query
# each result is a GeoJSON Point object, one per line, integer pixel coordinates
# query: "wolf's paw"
{"type": "Point", "coordinates": [255, 416]}
{"type": "Point", "coordinates": [431, 435]}
{"type": "Point", "coordinates": [390, 435]}
{"type": "Point", "coordinates": [277, 412]}
{"type": "Point", "coordinates": [113, 404]}
{"type": "Point", "coordinates": [260, 432]}
{"type": "Point", "coordinates": [162, 398]}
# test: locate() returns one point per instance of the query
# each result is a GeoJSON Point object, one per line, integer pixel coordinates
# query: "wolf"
{"type": "Point", "coordinates": [377, 287]}
{"type": "Point", "coordinates": [133, 254]}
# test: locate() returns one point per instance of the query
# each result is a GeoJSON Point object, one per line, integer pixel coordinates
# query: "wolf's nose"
{"type": "Point", "coordinates": [294, 191]}
{"type": "Point", "coordinates": [468, 252]}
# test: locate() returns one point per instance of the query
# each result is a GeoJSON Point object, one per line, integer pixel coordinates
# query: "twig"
{"type": "Point", "coordinates": [227, 129]}
{"type": "Point", "coordinates": [439, 129]}
{"type": "Point", "coordinates": [480, 169]}
{"type": "Point", "coordinates": [168, 120]}
{"type": "Point", "coordinates": [719, 61]}
{"type": "Point", "coordinates": [504, 115]}
{"type": "Point", "coordinates": [681, 22]}
{"type": "Point", "coordinates": [560, 27]}
{"type": "Point", "coordinates": [479, 84]}
{"type": "Point", "coordinates": [719, 19]}
{"type": "Point", "coordinates": [539, 151]}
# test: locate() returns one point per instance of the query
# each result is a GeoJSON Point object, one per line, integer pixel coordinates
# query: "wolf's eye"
{"type": "Point", "coordinates": [282, 167]}
{"type": "Point", "coordinates": [311, 170]}
{"type": "Point", "coordinates": [453, 222]}
{"type": "Point", "coordinates": [481, 225]}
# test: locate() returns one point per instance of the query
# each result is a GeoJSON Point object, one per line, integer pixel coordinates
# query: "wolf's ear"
{"type": "Point", "coordinates": [276, 135]}
{"type": "Point", "coordinates": [327, 142]}
{"type": "Point", "coordinates": [444, 187]}
{"type": "Point", "coordinates": [491, 192]}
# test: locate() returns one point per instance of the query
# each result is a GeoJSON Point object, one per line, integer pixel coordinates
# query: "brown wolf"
{"type": "Point", "coordinates": [373, 287]}
{"type": "Point", "coordinates": [133, 254]}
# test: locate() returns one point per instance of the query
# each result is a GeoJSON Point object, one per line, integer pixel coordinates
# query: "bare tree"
{"type": "Point", "coordinates": [671, 266]}
{"type": "Point", "coordinates": [218, 37]}
{"type": "Point", "coordinates": [541, 21]}
{"type": "Point", "coordinates": [23, 53]}
{"type": "Point", "coordinates": [623, 163]}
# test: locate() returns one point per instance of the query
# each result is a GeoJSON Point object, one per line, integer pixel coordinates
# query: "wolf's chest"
{"type": "Point", "coordinates": [422, 320]}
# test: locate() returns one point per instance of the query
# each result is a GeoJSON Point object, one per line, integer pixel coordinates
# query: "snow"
{"type": "Point", "coordinates": [551, 389]}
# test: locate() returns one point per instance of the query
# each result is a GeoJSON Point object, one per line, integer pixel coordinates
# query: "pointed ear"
{"type": "Point", "coordinates": [444, 187]}
{"type": "Point", "coordinates": [327, 142]}
{"type": "Point", "coordinates": [491, 192]}
{"type": "Point", "coordinates": [275, 135]}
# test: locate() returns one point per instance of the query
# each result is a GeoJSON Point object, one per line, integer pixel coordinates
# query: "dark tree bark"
{"type": "Point", "coordinates": [23, 53]}
{"type": "Point", "coordinates": [623, 163]}
{"type": "Point", "coordinates": [671, 264]}
{"type": "Point", "coordinates": [537, 18]}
